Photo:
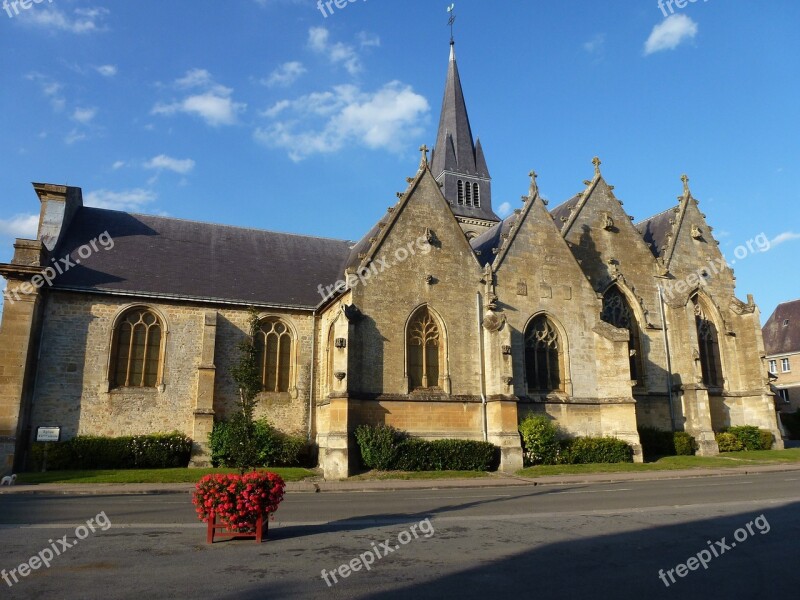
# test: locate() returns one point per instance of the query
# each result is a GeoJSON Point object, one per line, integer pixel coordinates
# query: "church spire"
{"type": "Point", "coordinates": [457, 160]}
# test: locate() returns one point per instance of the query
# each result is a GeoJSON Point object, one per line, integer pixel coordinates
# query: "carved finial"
{"type": "Point", "coordinates": [424, 150]}
{"type": "Point", "coordinates": [596, 162]}
{"type": "Point", "coordinates": [534, 190]}
{"type": "Point", "coordinates": [451, 21]}
{"type": "Point", "coordinates": [685, 180]}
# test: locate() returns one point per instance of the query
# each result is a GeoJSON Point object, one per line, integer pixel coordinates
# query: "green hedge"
{"type": "Point", "coordinates": [541, 445]}
{"type": "Point", "coordinates": [539, 440]}
{"type": "Point", "coordinates": [728, 442]}
{"type": "Point", "coordinates": [155, 451]}
{"type": "Point", "coordinates": [744, 437]}
{"type": "Point", "coordinates": [586, 450]}
{"type": "Point", "coordinates": [657, 442]}
{"type": "Point", "coordinates": [274, 448]}
{"type": "Point", "coordinates": [385, 448]}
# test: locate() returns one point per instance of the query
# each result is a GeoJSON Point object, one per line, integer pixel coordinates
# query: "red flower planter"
{"type": "Point", "coordinates": [240, 505]}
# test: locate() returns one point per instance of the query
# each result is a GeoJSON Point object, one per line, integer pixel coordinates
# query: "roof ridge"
{"type": "Point", "coordinates": [239, 227]}
{"type": "Point", "coordinates": [654, 216]}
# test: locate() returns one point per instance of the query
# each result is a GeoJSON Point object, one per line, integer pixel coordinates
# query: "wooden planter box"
{"type": "Point", "coordinates": [261, 532]}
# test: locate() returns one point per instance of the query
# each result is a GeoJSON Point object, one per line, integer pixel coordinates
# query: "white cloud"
{"type": "Point", "coordinates": [20, 226]}
{"type": "Point", "coordinates": [106, 70]}
{"type": "Point", "coordinates": [82, 20]}
{"type": "Point", "coordinates": [285, 75]}
{"type": "Point", "coordinates": [670, 33]}
{"type": "Point", "coordinates": [74, 136]}
{"type": "Point", "coordinates": [786, 236]}
{"type": "Point", "coordinates": [386, 119]}
{"type": "Point", "coordinates": [51, 89]}
{"type": "Point", "coordinates": [213, 102]}
{"type": "Point", "coordinates": [126, 200]}
{"type": "Point", "coordinates": [118, 165]}
{"type": "Point", "coordinates": [504, 209]}
{"type": "Point", "coordinates": [164, 162]}
{"type": "Point", "coordinates": [596, 45]}
{"type": "Point", "coordinates": [84, 115]}
{"type": "Point", "coordinates": [339, 53]}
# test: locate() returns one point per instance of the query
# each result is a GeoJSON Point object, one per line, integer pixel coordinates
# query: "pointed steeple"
{"type": "Point", "coordinates": [458, 162]}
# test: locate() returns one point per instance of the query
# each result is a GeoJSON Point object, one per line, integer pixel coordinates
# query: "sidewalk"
{"type": "Point", "coordinates": [316, 486]}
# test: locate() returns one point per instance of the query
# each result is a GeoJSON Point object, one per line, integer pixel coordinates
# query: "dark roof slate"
{"type": "Point", "coordinates": [656, 230]}
{"type": "Point", "coordinates": [780, 338]}
{"type": "Point", "coordinates": [167, 257]}
{"type": "Point", "coordinates": [485, 243]}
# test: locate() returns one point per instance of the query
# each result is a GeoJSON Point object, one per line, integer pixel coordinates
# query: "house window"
{"type": "Point", "coordinates": [468, 194]}
{"type": "Point", "coordinates": [424, 345]}
{"type": "Point", "coordinates": [543, 356]}
{"type": "Point", "coordinates": [785, 368]}
{"type": "Point", "coordinates": [476, 195]}
{"type": "Point", "coordinates": [274, 347]}
{"type": "Point", "coordinates": [708, 342]}
{"type": "Point", "coordinates": [460, 193]}
{"type": "Point", "coordinates": [773, 366]}
{"type": "Point", "coordinates": [618, 313]}
{"type": "Point", "coordinates": [138, 350]}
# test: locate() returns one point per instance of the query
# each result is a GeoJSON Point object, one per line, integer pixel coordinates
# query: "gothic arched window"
{"type": "Point", "coordinates": [460, 192]}
{"type": "Point", "coordinates": [476, 195]}
{"type": "Point", "coordinates": [137, 350]}
{"type": "Point", "coordinates": [544, 364]}
{"type": "Point", "coordinates": [468, 194]}
{"type": "Point", "coordinates": [617, 312]}
{"type": "Point", "coordinates": [424, 345]}
{"type": "Point", "coordinates": [274, 343]}
{"type": "Point", "coordinates": [708, 342]}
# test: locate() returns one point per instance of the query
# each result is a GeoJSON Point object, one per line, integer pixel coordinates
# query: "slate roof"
{"type": "Point", "coordinates": [656, 229]}
{"type": "Point", "coordinates": [173, 258]}
{"type": "Point", "coordinates": [780, 338]}
{"type": "Point", "coordinates": [492, 238]}
{"type": "Point", "coordinates": [563, 211]}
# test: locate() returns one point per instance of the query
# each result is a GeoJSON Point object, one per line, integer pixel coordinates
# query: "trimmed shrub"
{"type": "Point", "coordinates": [385, 448]}
{"type": "Point", "coordinates": [539, 440]}
{"type": "Point", "coordinates": [791, 423]}
{"type": "Point", "coordinates": [657, 442]}
{"type": "Point", "coordinates": [156, 451]}
{"type": "Point", "coordinates": [728, 442]}
{"type": "Point", "coordinates": [271, 447]}
{"type": "Point", "coordinates": [445, 455]}
{"type": "Point", "coordinates": [766, 439]}
{"type": "Point", "coordinates": [748, 435]}
{"type": "Point", "coordinates": [685, 444]}
{"type": "Point", "coordinates": [584, 450]}
{"type": "Point", "coordinates": [378, 445]}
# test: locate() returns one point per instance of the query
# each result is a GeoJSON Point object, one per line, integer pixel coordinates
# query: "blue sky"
{"type": "Point", "coordinates": [267, 114]}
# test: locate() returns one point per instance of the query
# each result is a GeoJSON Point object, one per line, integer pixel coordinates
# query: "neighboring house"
{"type": "Point", "coordinates": [448, 322]}
{"type": "Point", "coordinates": [782, 345]}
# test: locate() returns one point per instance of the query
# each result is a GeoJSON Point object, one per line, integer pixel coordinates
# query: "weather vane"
{"type": "Point", "coordinates": [451, 10]}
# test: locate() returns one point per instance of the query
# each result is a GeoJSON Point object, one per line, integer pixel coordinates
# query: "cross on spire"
{"type": "Point", "coordinates": [424, 150]}
{"type": "Point", "coordinates": [597, 162]}
{"type": "Point", "coordinates": [534, 186]}
{"type": "Point", "coordinates": [685, 180]}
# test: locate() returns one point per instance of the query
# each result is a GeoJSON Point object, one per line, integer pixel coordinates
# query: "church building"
{"type": "Point", "coordinates": [444, 320]}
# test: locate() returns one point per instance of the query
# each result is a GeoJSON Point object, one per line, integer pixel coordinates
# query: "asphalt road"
{"type": "Point", "coordinates": [576, 541]}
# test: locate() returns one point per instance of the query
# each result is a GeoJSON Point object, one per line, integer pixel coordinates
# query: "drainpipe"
{"type": "Point", "coordinates": [480, 360]}
{"type": "Point", "coordinates": [669, 358]}
{"type": "Point", "coordinates": [311, 384]}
